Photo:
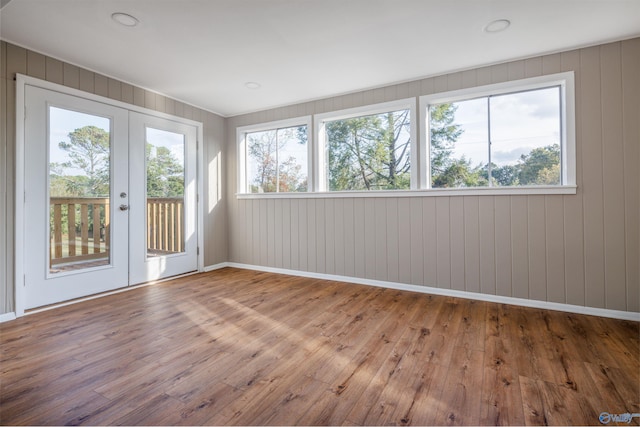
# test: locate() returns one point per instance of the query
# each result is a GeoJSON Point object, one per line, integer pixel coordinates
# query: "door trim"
{"type": "Point", "coordinates": [19, 243]}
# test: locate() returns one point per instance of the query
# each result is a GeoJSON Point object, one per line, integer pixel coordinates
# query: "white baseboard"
{"type": "Point", "coordinates": [592, 311]}
{"type": "Point", "coordinates": [216, 266]}
{"type": "Point", "coordinates": [7, 317]}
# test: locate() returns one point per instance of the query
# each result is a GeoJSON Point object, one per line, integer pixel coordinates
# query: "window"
{"type": "Point", "coordinates": [275, 157]}
{"type": "Point", "coordinates": [507, 135]}
{"type": "Point", "coordinates": [368, 148]}
{"type": "Point", "coordinates": [516, 137]}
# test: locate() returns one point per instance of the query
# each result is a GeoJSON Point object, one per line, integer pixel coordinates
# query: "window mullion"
{"type": "Point", "coordinates": [277, 163]}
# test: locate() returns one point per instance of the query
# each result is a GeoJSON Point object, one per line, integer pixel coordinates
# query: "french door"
{"type": "Point", "coordinates": [110, 197]}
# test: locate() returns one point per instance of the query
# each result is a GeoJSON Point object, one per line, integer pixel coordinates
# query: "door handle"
{"type": "Point", "coordinates": [124, 207]}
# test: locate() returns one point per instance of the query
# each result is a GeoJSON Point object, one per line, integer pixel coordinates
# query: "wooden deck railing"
{"type": "Point", "coordinates": [80, 229]}
{"type": "Point", "coordinates": [165, 225]}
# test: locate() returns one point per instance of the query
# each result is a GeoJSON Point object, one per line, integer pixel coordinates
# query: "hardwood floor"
{"type": "Point", "coordinates": [243, 347]}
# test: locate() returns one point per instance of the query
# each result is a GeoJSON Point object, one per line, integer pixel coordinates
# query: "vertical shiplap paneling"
{"type": "Point", "coordinates": [312, 247]}
{"type": "Point", "coordinates": [179, 107]}
{"type": "Point", "coordinates": [55, 71]}
{"type": "Point", "coordinates": [404, 240]}
{"type": "Point", "coordinates": [126, 93]}
{"type": "Point", "coordinates": [321, 238]}
{"type": "Point", "coordinates": [469, 79]}
{"type": "Point", "coordinates": [503, 246]}
{"type": "Point", "coordinates": [533, 67]}
{"type": "Point", "coordinates": [359, 239]}
{"type": "Point", "coordinates": [537, 248]}
{"type": "Point", "coordinates": [519, 247]}
{"type": "Point", "coordinates": [238, 246]}
{"type": "Point", "coordinates": [3, 60]}
{"type": "Point", "coordinates": [305, 236]}
{"type": "Point", "coordinates": [573, 220]}
{"type": "Point", "coordinates": [257, 238]}
{"type": "Point", "coordinates": [138, 97]}
{"type": "Point", "coordinates": [472, 244]}
{"type": "Point", "coordinates": [275, 233]}
{"type": "Point", "coordinates": [443, 242]}
{"type": "Point", "coordinates": [456, 233]}
{"type": "Point", "coordinates": [551, 63]}
{"type": "Point", "coordinates": [16, 61]}
{"type": "Point", "coordinates": [114, 88]}
{"type": "Point", "coordinates": [6, 305]}
{"type": "Point", "coordinates": [592, 179]}
{"type": "Point", "coordinates": [36, 65]}
{"type": "Point", "coordinates": [613, 176]}
{"type": "Point", "coordinates": [631, 136]}
{"type": "Point", "coordinates": [483, 76]}
{"type": "Point", "coordinates": [71, 76]}
{"type": "Point", "coordinates": [516, 70]}
{"type": "Point", "coordinates": [295, 235]}
{"type": "Point", "coordinates": [393, 265]}
{"type": "Point", "coordinates": [340, 236]}
{"type": "Point", "coordinates": [416, 236]}
{"type": "Point", "coordinates": [270, 225]}
{"type": "Point", "coordinates": [430, 242]}
{"type": "Point", "coordinates": [370, 238]}
{"type": "Point", "coordinates": [170, 106]}
{"type": "Point", "coordinates": [555, 238]}
{"type": "Point", "coordinates": [150, 102]}
{"type": "Point", "coordinates": [348, 229]}
{"type": "Point", "coordinates": [286, 234]}
{"type": "Point", "coordinates": [330, 236]}
{"type": "Point", "coordinates": [101, 85]}
{"type": "Point", "coordinates": [487, 244]}
{"type": "Point", "coordinates": [427, 86]}
{"type": "Point", "coordinates": [454, 81]}
{"type": "Point", "coordinates": [499, 73]}
{"type": "Point", "coordinates": [380, 232]}
{"type": "Point", "coordinates": [87, 80]}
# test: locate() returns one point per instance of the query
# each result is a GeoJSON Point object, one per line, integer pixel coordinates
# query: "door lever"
{"type": "Point", "coordinates": [124, 207]}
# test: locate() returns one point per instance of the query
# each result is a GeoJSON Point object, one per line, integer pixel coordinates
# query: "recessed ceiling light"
{"type": "Point", "coordinates": [252, 85]}
{"type": "Point", "coordinates": [125, 19]}
{"type": "Point", "coordinates": [497, 26]}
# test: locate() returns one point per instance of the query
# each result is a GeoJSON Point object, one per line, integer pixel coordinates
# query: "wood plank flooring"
{"type": "Point", "coordinates": [237, 347]}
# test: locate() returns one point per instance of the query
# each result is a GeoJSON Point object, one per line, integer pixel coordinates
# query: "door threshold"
{"type": "Point", "coordinates": [104, 294]}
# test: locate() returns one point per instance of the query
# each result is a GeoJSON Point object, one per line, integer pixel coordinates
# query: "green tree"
{"type": "Point", "coordinates": [165, 174]}
{"type": "Point", "coordinates": [273, 173]}
{"type": "Point", "coordinates": [369, 152]}
{"type": "Point", "coordinates": [541, 166]}
{"type": "Point", "coordinates": [445, 170]}
{"type": "Point", "coordinates": [87, 152]}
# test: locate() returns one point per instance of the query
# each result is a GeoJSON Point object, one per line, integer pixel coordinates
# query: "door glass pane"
{"type": "Point", "coordinates": [79, 189]}
{"type": "Point", "coordinates": [165, 192]}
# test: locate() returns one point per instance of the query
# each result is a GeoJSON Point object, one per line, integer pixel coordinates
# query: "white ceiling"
{"type": "Point", "coordinates": [204, 51]}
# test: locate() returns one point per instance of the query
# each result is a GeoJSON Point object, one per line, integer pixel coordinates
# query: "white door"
{"type": "Point", "coordinates": [76, 179]}
{"type": "Point", "coordinates": [163, 207]}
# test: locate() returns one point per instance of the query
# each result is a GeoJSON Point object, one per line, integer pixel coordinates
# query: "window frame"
{"type": "Point", "coordinates": [565, 81]}
{"type": "Point", "coordinates": [320, 143]}
{"type": "Point", "coordinates": [241, 138]}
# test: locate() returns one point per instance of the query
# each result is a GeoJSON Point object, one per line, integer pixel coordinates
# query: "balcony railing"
{"type": "Point", "coordinates": [80, 229]}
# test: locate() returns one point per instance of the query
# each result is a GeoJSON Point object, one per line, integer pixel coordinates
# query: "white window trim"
{"type": "Point", "coordinates": [320, 177]}
{"type": "Point", "coordinates": [565, 81]}
{"type": "Point", "coordinates": [241, 133]}
{"type": "Point", "coordinates": [420, 166]}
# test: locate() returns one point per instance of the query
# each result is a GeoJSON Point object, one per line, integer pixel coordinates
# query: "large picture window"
{"type": "Point", "coordinates": [275, 157]}
{"type": "Point", "coordinates": [515, 137]}
{"type": "Point", "coordinates": [508, 135]}
{"type": "Point", "coordinates": [367, 149]}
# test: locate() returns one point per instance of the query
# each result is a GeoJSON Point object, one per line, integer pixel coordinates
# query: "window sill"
{"type": "Point", "coordinates": [434, 192]}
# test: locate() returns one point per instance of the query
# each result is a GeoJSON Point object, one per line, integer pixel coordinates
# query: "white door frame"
{"type": "Point", "coordinates": [19, 245]}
